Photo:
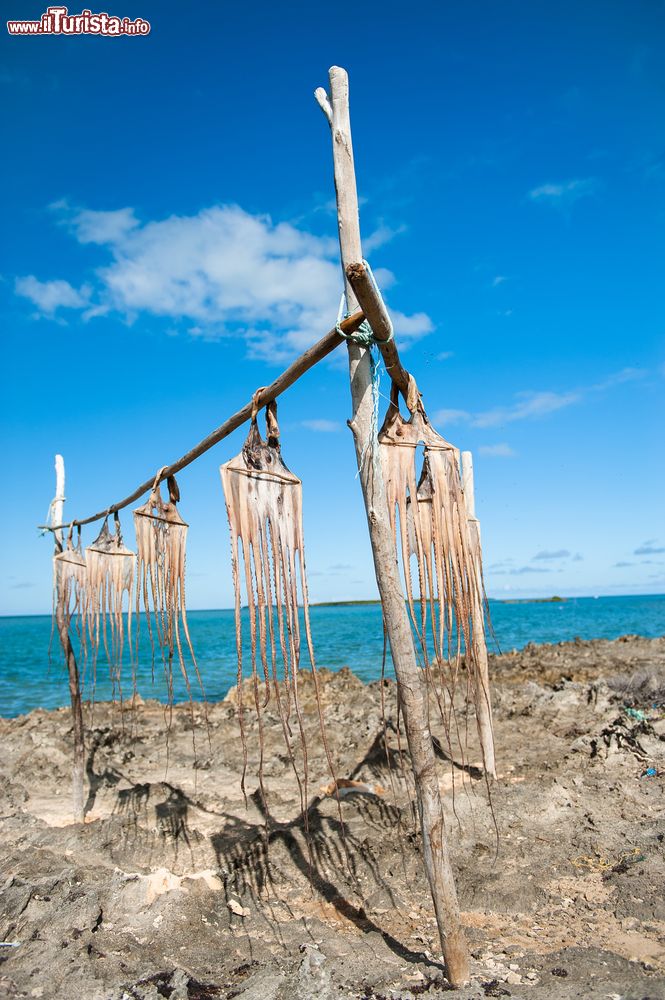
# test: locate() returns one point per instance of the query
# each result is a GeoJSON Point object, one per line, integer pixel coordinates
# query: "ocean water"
{"type": "Point", "coordinates": [344, 635]}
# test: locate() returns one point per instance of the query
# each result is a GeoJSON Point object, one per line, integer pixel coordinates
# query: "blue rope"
{"type": "Point", "coordinates": [372, 442]}
{"type": "Point", "coordinates": [364, 337]}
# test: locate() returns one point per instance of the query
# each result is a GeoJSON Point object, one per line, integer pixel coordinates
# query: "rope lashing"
{"type": "Point", "coordinates": [364, 335]}
{"type": "Point", "coordinates": [372, 440]}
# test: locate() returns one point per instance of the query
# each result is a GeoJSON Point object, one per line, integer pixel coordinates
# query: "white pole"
{"type": "Point", "coordinates": [467, 483]}
{"type": "Point", "coordinates": [78, 765]}
{"type": "Point", "coordinates": [484, 704]}
{"type": "Point", "coordinates": [58, 507]}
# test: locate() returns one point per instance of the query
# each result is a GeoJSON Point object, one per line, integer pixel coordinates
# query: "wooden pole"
{"type": "Point", "coordinates": [78, 765]}
{"type": "Point", "coordinates": [484, 704]}
{"type": "Point", "coordinates": [411, 687]}
{"type": "Point", "coordinates": [307, 360]}
{"type": "Point", "coordinates": [373, 306]}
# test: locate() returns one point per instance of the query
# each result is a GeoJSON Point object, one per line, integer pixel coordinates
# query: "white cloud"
{"type": "Point", "coordinates": [529, 404]}
{"type": "Point", "coordinates": [49, 296]}
{"type": "Point", "coordinates": [383, 277]}
{"type": "Point", "coordinates": [529, 569]}
{"type": "Point", "coordinates": [619, 378]}
{"type": "Point", "coordinates": [451, 416]}
{"type": "Point", "coordinates": [99, 227]}
{"type": "Point", "coordinates": [223, 270]}
{"type": "Point", "coordinates": [565, 194]}
{"type": "Point", "coordinates": [500, 570]}
{"type": "Point", "coordinates": [552, 554]}
{"type": "Point", "coordinates": [382, 234]}
{"type": "Point", "coordinates": [498, 280]}
{"type": "Point", "coordinates": [411, 327]}
{"type": "Point", "coordinates": [322, 426]}
{"type": "Point", "coordinates": [445, 355]}
{"type": "Point", "coordinates": [501, 450]}
{"type": "Point", "coordinates": [649, 548]}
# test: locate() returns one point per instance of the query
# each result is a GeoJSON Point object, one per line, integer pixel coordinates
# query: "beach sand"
{"type": "Point", "coordinates": [173, 888]}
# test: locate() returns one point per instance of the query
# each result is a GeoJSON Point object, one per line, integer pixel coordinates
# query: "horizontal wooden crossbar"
{"type": "Point", "coordinates": [302, 364]}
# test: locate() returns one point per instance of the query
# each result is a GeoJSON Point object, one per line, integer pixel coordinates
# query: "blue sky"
{"type": "Point", "coordinates": [170, 242]}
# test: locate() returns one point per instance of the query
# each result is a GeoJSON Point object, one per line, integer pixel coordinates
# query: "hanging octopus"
{"type": "Point", "coordinates": [110, 569]}
{"type": "Point", "coordinates": [264, 508]}
{"type": "Point", "coordinates": [161, 536]}
{"type": "Point", "coordinates": [430, 522]}
{"type": "Point", "coordinates": [70, 581]}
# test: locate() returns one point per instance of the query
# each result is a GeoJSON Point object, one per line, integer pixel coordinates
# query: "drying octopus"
{"type": "Point", "coordinates": [430, 523]}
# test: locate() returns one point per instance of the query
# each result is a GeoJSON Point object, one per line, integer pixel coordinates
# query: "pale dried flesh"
{"type": "Point", "coordinates": [161, 538]}
{"type": "Point", "coordinates": [70, 589]}
{"type": "Point", "coordinates": [264, 508]}
{"type": "Point", "coordinates": [445, 592]}
{"type": "Point", "coordinates": [110, 574]}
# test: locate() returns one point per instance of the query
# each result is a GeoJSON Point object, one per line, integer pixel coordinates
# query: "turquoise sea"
{"type": "Point", "coordinates": [344, 635]}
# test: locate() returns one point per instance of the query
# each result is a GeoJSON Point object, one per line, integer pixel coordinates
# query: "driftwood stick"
{"type": "Point", "coordinates": [484, 703]}
{"type": "Point", "coordinates": [373, 306]}
{"type": "Point", "coordinates": [302, 364]}
{"type": "Point", "coordinates": [410, 682]}
{"type": "Point", "coordinates": [78, 765]}
{"type": "Point", "coordinates": [468, 485]}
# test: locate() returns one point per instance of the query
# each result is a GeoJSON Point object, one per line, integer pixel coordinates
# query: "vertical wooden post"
{"type": "Point", "coordinates": [412, 692]}
{"type": "Point", "coordinates": [484, 703]}
{"type": "Point", "coordinates": [78, 766]}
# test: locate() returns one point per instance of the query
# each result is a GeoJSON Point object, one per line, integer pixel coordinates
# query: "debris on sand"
{"type": "Point", "coordinates": [173, 888]}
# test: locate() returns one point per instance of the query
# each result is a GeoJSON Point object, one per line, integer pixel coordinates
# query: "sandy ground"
{"type": "Point", "coordinates": [174, 888]}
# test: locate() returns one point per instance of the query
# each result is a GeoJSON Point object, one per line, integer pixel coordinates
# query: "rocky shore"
{"type": "Point", "coordinates": [174, 887]}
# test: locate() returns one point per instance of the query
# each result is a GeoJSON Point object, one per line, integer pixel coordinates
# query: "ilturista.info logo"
{"type": "Point", "coordinates": [58, 21]}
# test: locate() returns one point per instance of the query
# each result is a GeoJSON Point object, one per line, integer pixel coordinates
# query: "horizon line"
{"type": "Point", "coordinates": [373, 600]}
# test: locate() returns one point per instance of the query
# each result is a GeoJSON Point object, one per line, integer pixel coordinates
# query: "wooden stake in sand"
{"type": "Point", "coordinates": [412, 693]}
{"type": "Point", "coordinates": [483, 703]}
{"type": "Point", "coordinates": [78, 766]}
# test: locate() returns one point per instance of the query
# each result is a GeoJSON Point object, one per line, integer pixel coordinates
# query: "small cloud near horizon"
{"type": "Point", "coordinates": [501, 450]}
{"type": "Point", "coordinates": [531, 405]}
{"type": "Point", "coordinates": [450, 416]}
{"type": "Point", "coordinates": [49, 296]}
{"type": "Point", "coordinates": [520, 570]}
{"type": "Point", "coordinates": [564, 194]}
{"type": "Point", "coordinates": [649, 548]}
{"type": "Point", "coordinates": [322, 426]}
{"type": "Point", "coordinates": [552, 554]}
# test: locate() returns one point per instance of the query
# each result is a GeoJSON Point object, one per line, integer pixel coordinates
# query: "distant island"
{"type": "Point", "coordinates": [341, 604]}
{"type": "Point", "coordinates": [495, 600]}
{"type": "Point", "coordinates": [529, 600]}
